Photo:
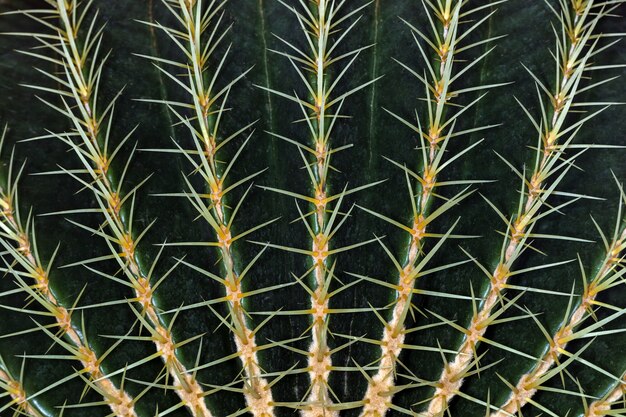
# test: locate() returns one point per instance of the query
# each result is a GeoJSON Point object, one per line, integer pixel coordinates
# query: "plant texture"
{"type": "Point", "coordinates": [327, 208]}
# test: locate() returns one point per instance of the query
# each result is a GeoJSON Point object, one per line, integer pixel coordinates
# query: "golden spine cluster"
{"type": "Point", "coordinates": [602, 407]}
{"type": "Point", "coordinates": [14, 388]}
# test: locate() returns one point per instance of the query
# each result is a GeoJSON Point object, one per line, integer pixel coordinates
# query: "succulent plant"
{"type": "Point", "coordinates": [324, 207]}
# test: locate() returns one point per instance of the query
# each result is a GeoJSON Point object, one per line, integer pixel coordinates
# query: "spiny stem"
{"type": "Point", "coordinates": [381, 386]}
{"type": "Point", "coordinates": [550, 151]}
{"type": "Point", "coordinates": [317, 22]}
{"type": "Point", "coordinates": [25, 256]}
{"type": "Point", "coordinates": [97, 160]}
{"type": "Point", "coordinates": [320, 360]}
{"type": "Point", "coordinates": [205, 96]}
{"type": "Point", "coordinates": [530, 382]}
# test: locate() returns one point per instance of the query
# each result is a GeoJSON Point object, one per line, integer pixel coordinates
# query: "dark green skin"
{"type": "Point", "coordinates": [374, 134]}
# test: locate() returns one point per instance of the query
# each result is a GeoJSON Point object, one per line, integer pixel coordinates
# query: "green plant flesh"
{"type": "Point", "coordinates": [319, 208]}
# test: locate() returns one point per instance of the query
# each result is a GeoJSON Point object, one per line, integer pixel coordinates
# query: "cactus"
{"type": "Point", "coordinates": [323, 207]}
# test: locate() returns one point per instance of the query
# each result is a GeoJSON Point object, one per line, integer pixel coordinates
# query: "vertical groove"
{"type": "Point", "coordinates": [266, 73]}
{"type": "Point", "coordinates": [372, 137]}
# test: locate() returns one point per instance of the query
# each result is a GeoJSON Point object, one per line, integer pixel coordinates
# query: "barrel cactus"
{"type": "Point", "coordinates": [317, 207]}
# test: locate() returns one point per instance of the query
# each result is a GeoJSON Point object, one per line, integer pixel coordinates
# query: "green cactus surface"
{"type": "Point", "coordinates": [321, 208]}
